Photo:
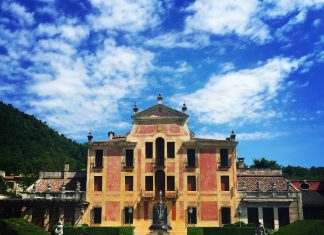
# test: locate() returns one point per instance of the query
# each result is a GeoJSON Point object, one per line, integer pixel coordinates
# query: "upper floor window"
{"type": "Point", "coordinates": [148, 183]}
{"type": "Point", "coordinates": [97, 183]}
{"type": "Point", "coordinates": [159, 148]}
{"type": "Point", "coordinates": [128, 183]}
{"type": "Point", "coordinates": [224, 157]}
{"type": "Point", "coordinates": [224, 183]}
{"type": "Point", "coordinates": [170, 183]}
{"type": "Point", "coordinates": [171, 149]}
{"type": "Point", "coordinates": [129, 157]}
{"type": "Point", "coordinates": [191, 182]}
{"type": "Point", "coordinates": [99, 158]}
{"type": "Point", "coordinates": [149, 149]}
{"type": "Point", "coordinates": [191, 157]}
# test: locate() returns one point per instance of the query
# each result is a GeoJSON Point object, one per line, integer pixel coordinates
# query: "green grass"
{"type": "Point", "coordinates": [17, 226]}
{"type": "Point", "coordinates": [303, 227]}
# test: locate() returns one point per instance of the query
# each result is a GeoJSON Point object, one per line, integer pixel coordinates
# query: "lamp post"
{"type": "Point", "coordinates": [239, 212]}
{"type": "Point", "coordinates": [190, 210]}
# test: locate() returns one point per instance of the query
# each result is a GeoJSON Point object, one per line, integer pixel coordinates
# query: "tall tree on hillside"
{"type": "Point", "coordinates": [264, 163]}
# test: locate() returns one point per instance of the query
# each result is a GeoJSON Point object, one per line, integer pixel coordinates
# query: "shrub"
{"type": "Point", "coordinates": [221, 231]}
{"type": "Point", "coordinates": [18, 226]}
{"type": "Point", "coordinates": [86, 230]}
{"type": "Point", "coordinates": [303, 227]}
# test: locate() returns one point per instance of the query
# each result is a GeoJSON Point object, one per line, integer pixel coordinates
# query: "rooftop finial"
{"type": "Point", "coordinates": [90, 137]}
{"type": "Point", "coordinates": [233, 136]}
{"type": "Point", "coordinates": [184, 107]}
{"type": "Point", "coordinates": [159, 99]}
{"type": "Point", "coordinates": [135, 108]}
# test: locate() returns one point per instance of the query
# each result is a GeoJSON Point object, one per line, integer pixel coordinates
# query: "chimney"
{"type": "Point", "coordinates": [232, 136]}
{"type": "Point", "coordinates": [66, 170]}
{"type": "Point", "coordinates": [111, 135]}
{"type": "Point", "coordinates": [240, 163]}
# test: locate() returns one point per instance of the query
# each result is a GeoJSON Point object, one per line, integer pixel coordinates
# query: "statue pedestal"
{"type": "Point", "coordinates": [159, 233]}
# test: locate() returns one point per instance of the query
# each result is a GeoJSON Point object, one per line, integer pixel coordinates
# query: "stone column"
{"type": "Point", "coordinates": [276, 217]}
{"type": "Point", "coordinates": [260, 212]}
{"type": "Point", "coordinates": [46, 219]}
{"type": "Point", "coordinates": [61, 214]}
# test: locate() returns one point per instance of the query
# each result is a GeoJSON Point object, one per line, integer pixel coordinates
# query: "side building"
{"type": "Point", "coordinates": [266, 197]}
{"type": "Point", "coordinates": [196, 177]}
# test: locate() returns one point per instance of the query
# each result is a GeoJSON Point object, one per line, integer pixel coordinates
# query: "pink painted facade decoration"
{"type": "Point", "coordinates": [113, 174]}
{"type": "Point", "coordinates": [209, 211]}
{"type": "Point", "coordinates": [207, 165]}
{"type": "Point", "coordinates": [112, 211]}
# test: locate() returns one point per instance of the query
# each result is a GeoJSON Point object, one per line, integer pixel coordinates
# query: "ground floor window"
{"type": "Point", "coordinates": [192, 215]}
{"type": "Point", "coordinates": [97, 215]}
{"type": "Point", "coordinates": [128, 212]}
{"type": "Point", "coordinates": [226, 215]}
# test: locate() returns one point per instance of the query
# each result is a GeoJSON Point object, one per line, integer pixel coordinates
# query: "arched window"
{"type": "Point", "coordinates": [159, 154]}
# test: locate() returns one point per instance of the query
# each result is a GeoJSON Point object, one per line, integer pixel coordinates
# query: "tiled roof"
{"type": "Point", "coordinates": [111, 141]}
{"type": "Point", "coordinates": [56, 185]}
{"type": "Point", "coordinates": [266, 183]}
{"type": "Point", "coordinates": [312, 199]}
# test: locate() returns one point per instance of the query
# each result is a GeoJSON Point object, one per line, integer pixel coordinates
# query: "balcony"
{"type": "Point", "coordinates": [128, 164]}
{"type": "Point", "coordinates": [224, 165]}
{"type": "Point", "coordinates": [159, 163]}
{"type": "Point", "coordinates": [190, 165]}
{"type": "Point", "coordinates": [172, 195]}
{"type": "Point", "coordinates": [269, 196]}
{"type": "Point", "coordinates": [95, 168]}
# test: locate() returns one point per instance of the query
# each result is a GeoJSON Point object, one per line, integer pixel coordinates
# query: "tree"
{"type": "Point", "coordinates": [264, 163]}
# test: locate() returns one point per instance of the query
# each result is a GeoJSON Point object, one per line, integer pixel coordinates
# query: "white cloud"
{"type": "Point", "coordinates": [225, 67]}
{"type": "Point", "coordinates": [317, 22]}
{"type": "Point", "coordinates": [243, 95]}
{"type": "Point", "coordinates": [19, 12]}
{"type": "Point", "coordinates": [226, 17]}
{"type": "Point", "coordinates": [132, 16]}
{"type": "Point", "coordinates": [178, 39]}
{"type": "Point", "coordinates": [246, 18]}
{"type": "Point", "coordinates": [258, 135]}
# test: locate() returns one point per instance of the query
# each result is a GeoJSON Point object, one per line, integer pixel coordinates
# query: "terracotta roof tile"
{"type": "Point", "coordinates": [266, 183]}
{"type": "Point", "coordinates": [56, 185]}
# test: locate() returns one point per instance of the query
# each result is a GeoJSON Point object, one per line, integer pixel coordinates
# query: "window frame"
{"type": "Point", "coordinates": [169, 177]}
{"type": "Point", "coordinates": [194, 181]}
{"type": "Point", "coordinates": [99, 189]}
{"type": "Point", "coordinates": [131, 186]}
{"type": "Point", "coordinates": [226, 186]}
{"type": "Point", "coordinates": [171, 154]}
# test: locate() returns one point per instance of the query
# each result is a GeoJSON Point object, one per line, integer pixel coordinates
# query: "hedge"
{"type": "Point", "coordinates": [85, 230]}
{"type": "Point", "coordinates": [221, 231]}
{"type": "Point", "coordinates": [303, 227]}
{"type": "Point", "coordinates": [18, 226]}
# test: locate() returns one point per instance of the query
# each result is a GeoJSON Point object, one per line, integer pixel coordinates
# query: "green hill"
{"type": "Point", "coordinates": [27, 145]}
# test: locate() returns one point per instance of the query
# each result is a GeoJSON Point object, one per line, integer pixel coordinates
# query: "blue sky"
{"type": "Point", "coordinates": [252, 66]}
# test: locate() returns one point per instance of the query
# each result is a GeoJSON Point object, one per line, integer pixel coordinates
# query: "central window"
{"type": "Point", "coordinates": [159, 154]}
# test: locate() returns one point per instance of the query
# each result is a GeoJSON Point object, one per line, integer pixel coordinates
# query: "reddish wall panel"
{"type": "Point", "coordinates": [145, 210]}
{"type": "Point", "coordinates": [181, 210]}
{"type": "Point", "coordinates": [139, 169]}
{"type": "Point", "coordinates": [170, 167]}
{"type": "Point", "coordinates": [207, 165]}
{"type": "Point", "coordinates": [113, 173]}
{"type": "Point", "coordinates": [209, 211]}
{"type": "Point", "coordinates": [148, 167]}
{"type": "Point", "coordinates": [181, 173]}
{"type": "Point", "coordinates": [174, 211]}
{"type": "Point", "coordinates": [112, 211]}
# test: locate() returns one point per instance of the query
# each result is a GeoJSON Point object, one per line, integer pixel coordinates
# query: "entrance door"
{"type": "Point", "coordinates": [159, 182]}
{"type": "Point", "coordinates": [268, 218]}
{"type": "Point", "coordinates": [159, 151]}
{"type": "Point", "coordinates": [253, 215]}
{"type": "Point", "coordinates": [283, 214]}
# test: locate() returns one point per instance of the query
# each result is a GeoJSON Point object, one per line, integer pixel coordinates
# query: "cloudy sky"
{"type": "Point", "coordinates": [252, 66]}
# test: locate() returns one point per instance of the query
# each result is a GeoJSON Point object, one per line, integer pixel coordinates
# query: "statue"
{"type": "Point", "coordinates": [59, 228]}
{"type": "Point", "coordinates": [259, 230]}
{"type": "Point", "coordinates": [160, 216]}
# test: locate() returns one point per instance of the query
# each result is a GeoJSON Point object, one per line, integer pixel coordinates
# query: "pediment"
{"type": "Point", "coordinates": [160, 112]}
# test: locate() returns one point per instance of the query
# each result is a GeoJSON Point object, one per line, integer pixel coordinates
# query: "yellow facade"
{"type": "Point", "coordinates": [161, 124]}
